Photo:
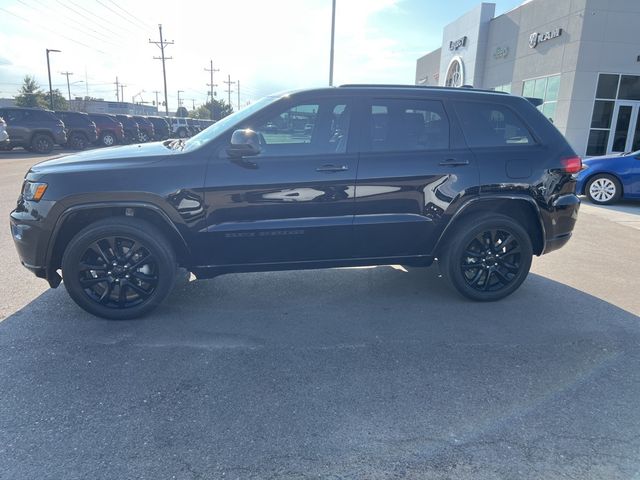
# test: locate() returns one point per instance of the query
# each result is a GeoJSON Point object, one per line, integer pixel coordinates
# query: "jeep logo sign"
{"type": "Point", "coordinates": [461, 42]}
{"type": "Point", "coordinates": [537, 38]}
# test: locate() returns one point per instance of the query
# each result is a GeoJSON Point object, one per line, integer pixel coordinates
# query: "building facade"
{"type": "Point", "coordinates": [581, 57]}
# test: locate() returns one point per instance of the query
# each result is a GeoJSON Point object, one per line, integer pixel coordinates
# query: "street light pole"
{"type": "Point", "coordinates": [49, 73]}
{"type": "Point", "coordinates": [333, 34]}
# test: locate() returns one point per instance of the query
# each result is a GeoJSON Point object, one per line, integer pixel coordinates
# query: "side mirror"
{"type": "Point", "coordinates": [244, 143]}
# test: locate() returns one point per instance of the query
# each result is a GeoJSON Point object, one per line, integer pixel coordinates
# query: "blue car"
{"type": "Point", "coordinates": [605, 180]}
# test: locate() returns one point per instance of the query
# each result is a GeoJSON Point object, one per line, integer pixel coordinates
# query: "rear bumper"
{"type": "Point", "coordinates": [561, 218]}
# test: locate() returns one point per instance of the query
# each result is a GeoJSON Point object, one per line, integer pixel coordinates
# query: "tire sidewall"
{"type": "Point", "coordinates": [464, 234]}
{"type": "Point", "coordinates": [78, 141]}
{"type": "Point", "coordinates": [108, 135]}
{"type": "Point", "coordinates": [616, 183]}
{"type": "Point", "coordinates": [36, 140]}
{"type": "Point", "coordinates": [142, 231]}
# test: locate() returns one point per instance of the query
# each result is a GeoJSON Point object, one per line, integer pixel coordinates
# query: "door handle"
{"type": "Point", "coordinates": [452, 162]}
{"type": "Point", "coordinates": [332, 168]}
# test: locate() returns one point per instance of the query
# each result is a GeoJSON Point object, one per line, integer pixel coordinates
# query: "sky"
{"type": "Point", "coordinates": [269, 46]}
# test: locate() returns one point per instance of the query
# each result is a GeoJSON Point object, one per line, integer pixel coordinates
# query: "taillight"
{"type": "Point", "coordinates": [571, 164]}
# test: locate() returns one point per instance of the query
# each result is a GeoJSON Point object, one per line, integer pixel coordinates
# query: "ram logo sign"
{"type": "Point", "coordinates": [537, 38]}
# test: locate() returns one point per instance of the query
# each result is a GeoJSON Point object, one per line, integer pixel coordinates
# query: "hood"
{"type": "Point", "coordinates": [101, 158]}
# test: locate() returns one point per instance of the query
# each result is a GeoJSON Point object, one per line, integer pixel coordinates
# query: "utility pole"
{"type": "Point", "coordinates": [156, 92]}
{"type": "Point", "coordinates": [238, 94]}
{"type": "Point", "coordinates": [179, 102]}
{"type": "Point", "coordinates": [117, 90]}
{"type": "Point", "coordinates": [122, 92]}
{"type": "Point", "coordinates": [211, 70]}
{"type": "Point", "coordinates": [229, 91]}
{"type": "Point", "coordinates": [333, 35]}
{"type": "Point", "coordinates": [49, 50]}
{"type": "Point", "coordinates": [161, 44]}
{"type": "Point", "coordinates": [67, 74]}
{"type": "Point", "coordinates": [193, 103]}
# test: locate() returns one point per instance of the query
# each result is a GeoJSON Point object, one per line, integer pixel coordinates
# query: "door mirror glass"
{"type": "Point", "coordinates": [244, 143]}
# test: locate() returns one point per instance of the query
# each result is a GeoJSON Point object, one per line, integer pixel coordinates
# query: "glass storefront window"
{"type": "Point", "coordinates": [545, 88]}
{"type": "Point", "coordinates": [607, 86]}
{"type": "Point", "coordinates": [602, 113]}
{"type": "Point", "coordinates": [629, 87]}
{"type": "Point", "coordinates": [503, 88]}
{"type": "Point", "coordinates": [597, 143]}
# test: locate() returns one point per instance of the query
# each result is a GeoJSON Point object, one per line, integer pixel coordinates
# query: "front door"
{"type": "Point", "coordinates": [295, 200]}
{"type": "Point", "coordinates": [625, 132]}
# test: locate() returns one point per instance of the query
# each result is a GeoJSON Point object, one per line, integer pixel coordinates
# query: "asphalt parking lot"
{"type": "Point", "coordinates": [363, 373]}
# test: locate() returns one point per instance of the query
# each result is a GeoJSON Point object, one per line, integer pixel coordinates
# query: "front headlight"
{"type": "Point", "coordinates": [33, 191]}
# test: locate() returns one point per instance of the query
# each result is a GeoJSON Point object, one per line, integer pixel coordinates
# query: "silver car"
{"type": "Point", "coordinates": [4, 136]}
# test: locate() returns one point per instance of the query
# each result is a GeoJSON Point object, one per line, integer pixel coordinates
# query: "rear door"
{"type": "Point", "coordinates": [412, 168]}
{"type": "Point", "coordinates": [16, 128]}
{"type": "Point", "coordinates": [295, 200]}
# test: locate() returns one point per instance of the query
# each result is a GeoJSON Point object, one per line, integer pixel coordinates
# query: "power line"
{"type": "Point", "coordinates": [116, 13]}
{"type": "Point", "coordinates": [30, 23]}
{"type": "Point", "coordinates": [93, 22]}
{"type": "Point", "coordinates": [161, 44]}
{"type": "Point", "coordinates": [101, 19]}
{"type": "Point", "coordinates": [140, 21]}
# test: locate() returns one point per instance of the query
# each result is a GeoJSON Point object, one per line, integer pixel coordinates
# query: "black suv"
{"type": "Point", "coordinates": [81, 130]}
{"type": "Point", "coordinates": [33, 129]}
{"type": "Point", "coordinates": [131, 128]}
{"type": "Point", "coordinates": [160, 127]}
{"type": "Point", "coordinates": [147, 129]}
{"type": "Point", "coordinates": [355, 175]}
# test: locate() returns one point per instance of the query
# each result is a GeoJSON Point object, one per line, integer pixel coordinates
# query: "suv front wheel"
{"type": "Point", "coordinates": [119, 268]}
{"type": "Point", "coordinates": [42, 143]}
{"type": "Point", "coordinates": [487, 258]}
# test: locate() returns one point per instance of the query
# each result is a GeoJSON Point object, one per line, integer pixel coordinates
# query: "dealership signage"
{"type": "Point", "coordinates": [461, 42]}
{"type": "Point", "coordinates": [536, 38]}
{"type": "Point", "coordinates": [501, 52]}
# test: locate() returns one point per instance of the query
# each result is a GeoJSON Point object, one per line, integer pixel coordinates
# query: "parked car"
{"type": "Point", "coordinates": [4, 136]}
{"type": "Point", "coordinates": [33, 129]}
{"type": "Point", "coordinates": [194, 126]}
{"type": "Point", "coordinates": [80, 129]}
{"type": "Point", "coordinates": [179, 127]}
{"type": "Point", "coordinates": [607, 179]}
{"type": "Point", "coordinates": [161, 128]}
{"type": "Point", "coordinates": [480, 180]}
{"type": "Point", "coordinates": [131, 128]}
{"type": "Point", "coordinates": [110, 130]}
{"type": "Point", "coordinates": [147, 130]}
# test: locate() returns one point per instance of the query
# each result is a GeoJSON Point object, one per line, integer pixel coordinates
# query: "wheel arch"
{"type": "Point", "coordinates": [522, 209]}
{"type": "Point", "coordinates": [75, 218]}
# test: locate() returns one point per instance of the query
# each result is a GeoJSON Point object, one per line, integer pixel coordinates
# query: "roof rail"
{"type": "Point", "coordinates": [424, 87]}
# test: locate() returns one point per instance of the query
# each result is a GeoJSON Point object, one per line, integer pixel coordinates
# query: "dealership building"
{"type": "Point", "coordinates": [581, 57]}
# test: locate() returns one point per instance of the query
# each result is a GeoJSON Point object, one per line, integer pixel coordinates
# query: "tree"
{"type": "Point", "coordinates": [219, 108]}
{"type": "Point", "coordinates": [30, 94]}
{"type": "Point", "coordinates": [59, 102]}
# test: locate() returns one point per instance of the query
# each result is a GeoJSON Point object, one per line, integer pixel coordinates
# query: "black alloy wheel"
{"type": "Point", "coordinates": [487, 258]}
{"type": "Point", "coordinates": [78, 141]}
{"type": "Point", "coordinates": [42, 143]}
{"type": "Point", "coordinates": [119, 268]}
{"type": "Point", "coordinates": [118, 272]}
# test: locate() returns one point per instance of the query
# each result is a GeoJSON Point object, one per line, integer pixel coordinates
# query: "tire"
{"type": "Point", "coordinates": [488, 257]}
{"type": "Point", "coordinates": [108, 139]}
{"type": "Point", "coordinates": [78, 141]}
{"type": "Point", "coordinates": [42, 143]}
{"type": "Point", "coordinates": [121, 290]}
{"type": "Point", "coordinates": [144, 138]}
{"type": "Point", "coordinates": [603, 189]}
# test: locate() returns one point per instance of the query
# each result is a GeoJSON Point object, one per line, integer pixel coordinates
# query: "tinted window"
{"type": "Point", "coordinates": [407, 125]}
{"type": "Point", "coordinates": [602, 112]}
{"type": "Point", "coordinates": [11, 116]}
{"type": "Point", "coordinates": [490, 125]}
{"type": "Point", "coordinates": [38, 116]}
{"type": "Point", "coordinates": [607, 86]}
{"type": "Point", "coordinates": [317, 127]}
{"type": "Point", "coordinates": [629, 87]}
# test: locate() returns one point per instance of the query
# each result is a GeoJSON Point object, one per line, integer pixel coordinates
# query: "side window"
{"type": "Point", "coordinates": [13, 116]}
{"type": "Point", "coordinates": [311, 128]}
{"type": "Point", "coordinates": [407, 125]}
{"type": "Point", "coordinates": [490, 125]}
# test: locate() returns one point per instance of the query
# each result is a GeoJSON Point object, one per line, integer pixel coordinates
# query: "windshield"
{"type": "Point", "coordinates": [222, 125]}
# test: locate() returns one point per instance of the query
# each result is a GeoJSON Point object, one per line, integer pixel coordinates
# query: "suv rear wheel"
{"type": "Point", "coordinates": [42, 143]}
{"type": "Point", "coordinates": [119, 268]}
{"type": "Point", "coordinates": [78, 141]}
{"type": "Point", "coordinates": [107, 139]}
{"type": "Point", "coordinates": [487, 258]}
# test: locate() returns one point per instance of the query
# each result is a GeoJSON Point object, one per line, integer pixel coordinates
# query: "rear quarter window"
{"type": "Point", "coordinates": [492, 125]}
